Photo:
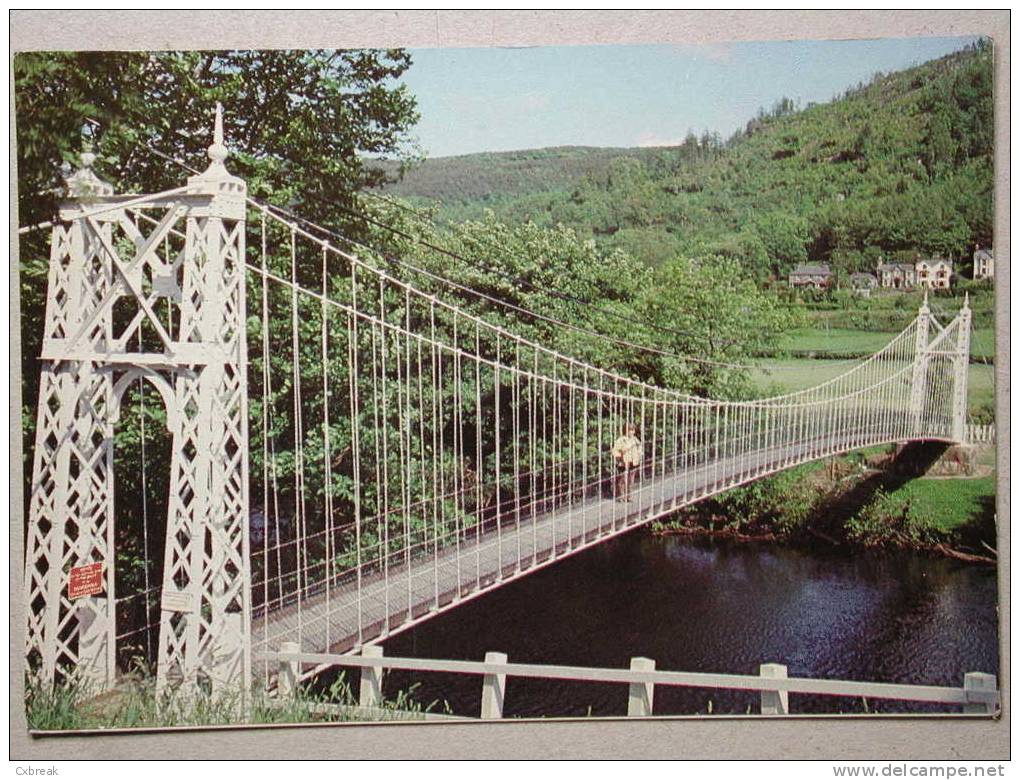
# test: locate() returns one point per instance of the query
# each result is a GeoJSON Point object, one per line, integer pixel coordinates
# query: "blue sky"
{"type": "Point", "coordinates": [498, 99]}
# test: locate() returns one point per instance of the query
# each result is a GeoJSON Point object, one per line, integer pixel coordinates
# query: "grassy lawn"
{"type": "Point", "coordinates": [787, 375]}
{"type": "Point", "coordinates": [858, 342]}
{"type": "Point", "coordinates": [835, 340]}
{"type": "Point", "coordinates": [982, 343]}
{"type": "Point", "coordinates": [775, 377]}
{"type": "Point", "coordinates": [946, 504]}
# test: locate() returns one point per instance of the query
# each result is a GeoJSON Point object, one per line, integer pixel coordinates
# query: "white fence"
{"type": "Point", "coordinates": [979, 694]}
{"type": "Point", "coordinates": [980, 434]}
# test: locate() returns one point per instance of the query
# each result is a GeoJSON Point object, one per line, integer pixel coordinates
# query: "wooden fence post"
{"type": "Point", "coordinates": [493, 687]}
{"type": "Point", "coordinates": [639, 703]}
{"type": "Point", "coordinates": [774, 702]}
{"type": "Point", "coordinates": [982, 687]}
{"type": "Point", "coordinates": [289, 671]}
{"type": "Point", "coordinates": [370, 692]}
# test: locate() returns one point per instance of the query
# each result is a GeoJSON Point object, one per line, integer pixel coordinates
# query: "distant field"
{"type": "Point", "coordinates": [775, 377]}
{"type": "Point", "coordinates": [836, 341]}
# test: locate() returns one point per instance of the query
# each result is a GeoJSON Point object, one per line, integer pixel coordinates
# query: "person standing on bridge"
{"type": "Point", "coordinates": [628, 452]}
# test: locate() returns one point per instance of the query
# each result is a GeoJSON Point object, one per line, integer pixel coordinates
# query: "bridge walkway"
{"type": "Point", "coordinates": [404, 595]}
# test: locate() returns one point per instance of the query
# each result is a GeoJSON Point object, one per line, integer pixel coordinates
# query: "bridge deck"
{"type": "Point", "coordinates": [404, 595]}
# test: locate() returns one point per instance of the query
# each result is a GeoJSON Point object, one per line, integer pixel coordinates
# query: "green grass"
{"type": "Point", "coordinates": [847, 341]}
{"type": "Point", "coordinates": [981, 387]}
{"type": "Point", "coordinates": [982, 343]}
{"type": "Point", "coordinates": [833, 340]}
{"type": "Point", "coordinates": [76, 704]}
{"type": "Point", "coordinates": [945, 504]}
{"type": "Point", "coordinates": [788, 375]}
{"type": "Point", "coordinates": [777, 376]}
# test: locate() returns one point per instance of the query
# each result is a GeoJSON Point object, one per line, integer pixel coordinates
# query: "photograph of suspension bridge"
{"type": "Point", "coordinates": [591, 381]}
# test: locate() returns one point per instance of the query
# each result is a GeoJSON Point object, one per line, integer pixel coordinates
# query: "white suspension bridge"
{"type": "Point", "coordinates": [352, 454]}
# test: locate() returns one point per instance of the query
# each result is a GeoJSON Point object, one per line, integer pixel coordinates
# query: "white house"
{"type": "Point", "coordinates": [933, 273]}
{"type": "Point", "coordinates": [984, 263]}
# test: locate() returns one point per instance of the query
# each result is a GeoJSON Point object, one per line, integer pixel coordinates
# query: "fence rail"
{"type": "Point", "coordinates": [980, 434]}
{"type": "Point", "coordinates": [978, 695]}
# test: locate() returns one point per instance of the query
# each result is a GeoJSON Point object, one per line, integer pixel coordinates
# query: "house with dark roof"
{"type": "Point", "coordinates": [897, 276]}
{"type": "Point", "coordinates": [818, 277]}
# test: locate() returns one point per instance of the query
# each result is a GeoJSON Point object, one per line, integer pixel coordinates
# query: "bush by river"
{"type": "Point", "coordinates": [855, 500]}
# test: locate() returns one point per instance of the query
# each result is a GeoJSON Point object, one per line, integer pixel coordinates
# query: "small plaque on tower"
{"type": "Point", "coordinates": [85, 581]}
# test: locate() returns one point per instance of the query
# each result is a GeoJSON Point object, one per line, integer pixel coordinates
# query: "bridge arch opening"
{"type": "Point", "coordinates": [142, 453]}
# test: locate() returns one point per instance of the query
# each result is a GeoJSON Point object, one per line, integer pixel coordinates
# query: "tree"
{"type": "Point", "coordinates": [723, 316]}
{"type": "Point", "coordinates": [785, 238]}
{"type": "Point", "coordinates": [299, 123]}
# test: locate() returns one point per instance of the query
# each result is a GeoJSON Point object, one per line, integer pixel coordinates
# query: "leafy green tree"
{"type": "Point", "coordinates": [722, 315]}
{"type": "Point", "coordinates": [785, 239]}
{"type": "Point", "coordinates": [299, 123]}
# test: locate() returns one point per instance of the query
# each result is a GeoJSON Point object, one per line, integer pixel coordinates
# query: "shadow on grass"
{"type": "Point", "coordinates": [979, 532]}
{"type": "Point", "coordinates": [913, 460]}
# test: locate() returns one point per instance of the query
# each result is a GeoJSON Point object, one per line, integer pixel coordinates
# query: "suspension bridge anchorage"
{"type": "Point", "coordinates": [352, 454]}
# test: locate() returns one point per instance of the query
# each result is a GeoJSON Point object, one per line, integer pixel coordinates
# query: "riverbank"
{"type": "Point", "coordinates": [864, 499]}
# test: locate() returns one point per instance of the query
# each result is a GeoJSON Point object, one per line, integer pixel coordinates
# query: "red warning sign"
{"type": "Point", "coordinates": [85, 581]}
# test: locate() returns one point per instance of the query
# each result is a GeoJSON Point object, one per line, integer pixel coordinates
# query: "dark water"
{"type": "Point", "coordinates": [715, 607]}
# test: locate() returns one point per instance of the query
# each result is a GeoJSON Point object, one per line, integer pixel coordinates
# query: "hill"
{"type": "Point", "coordinates": [899, 165]}
{"type": "Point", "coordinates": [494, 177]}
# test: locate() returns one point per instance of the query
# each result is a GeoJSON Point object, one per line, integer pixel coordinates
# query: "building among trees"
{"type": "Point", "coordinates": [818, 277]}
{"type": "Point", "coordinates": [863, 283]}
{"type": "Point", "coordinates": [934, 273]}
{"type": "Point", "coordinates": [898, 276]}
{"type": "Point", "coordinates": [984, 263]}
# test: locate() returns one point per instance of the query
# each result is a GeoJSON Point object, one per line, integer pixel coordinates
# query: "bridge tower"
{"type": "Point", "coordinates": [961, 369]}
{"type": "Point", "coordinates": [919, 375]}
{"type": "Point", "coordinates": [108, 289]}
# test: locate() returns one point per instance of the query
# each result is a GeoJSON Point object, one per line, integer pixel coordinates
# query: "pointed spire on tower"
{"type": "Point", "coordinates": [217, 151]}
{"type": "Point", "coordinates": [966, 300]}
{"type": "Point", "coordinates": [83, 183]}
{"type": "Point", "coordinates": [924, 304]}
{"type": "Point", "coordinates": [216, 179]}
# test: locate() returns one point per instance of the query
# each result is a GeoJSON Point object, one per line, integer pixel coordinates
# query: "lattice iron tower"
{"type": "Point", "coordinates": [120, 307]}
{"type": "Point", "coordinates": [961, 371]}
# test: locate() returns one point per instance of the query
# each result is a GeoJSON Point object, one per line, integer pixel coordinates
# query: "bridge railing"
{"type": "Point", "coordinates": [978, 695]}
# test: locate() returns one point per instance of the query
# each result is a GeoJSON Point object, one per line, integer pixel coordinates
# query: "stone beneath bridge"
{"type": "Point", "coordinates": [936, 459]}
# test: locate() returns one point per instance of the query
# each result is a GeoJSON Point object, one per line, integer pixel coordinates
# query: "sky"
{"type": "Point", "coordinates": [501, 99]}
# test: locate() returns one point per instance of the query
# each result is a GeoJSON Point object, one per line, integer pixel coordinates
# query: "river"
{"type": "Point", "coordinates": [711, 606]}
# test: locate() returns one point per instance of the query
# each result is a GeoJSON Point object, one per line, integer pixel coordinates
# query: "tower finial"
{"type": "Point", "coordinates": [218, 126]}
{"type": "Point", "coordinates": [216, 179]}
{"type": "Point", "coordinates": [924, 305]}
{"type": "Point", "coordinates": [217, 151]}
{"type": "Point", "coordinates": [966, 300]}
{"type": "Point", "coordinates": [83, 183]}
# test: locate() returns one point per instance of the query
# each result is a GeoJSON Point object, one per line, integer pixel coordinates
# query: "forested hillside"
{"type": "Point", "coordinates": [899, 165]}
{"type": "Point", "coordinates": [496, 177]}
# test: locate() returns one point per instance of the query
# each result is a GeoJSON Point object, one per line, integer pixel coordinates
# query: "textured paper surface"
{"type": "Point", "coordinates": [890, 737]}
